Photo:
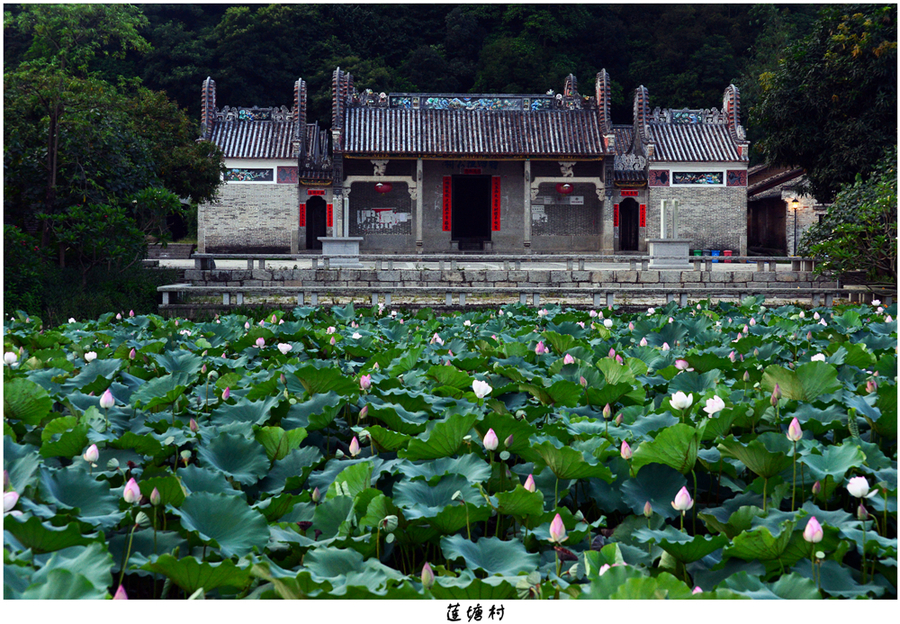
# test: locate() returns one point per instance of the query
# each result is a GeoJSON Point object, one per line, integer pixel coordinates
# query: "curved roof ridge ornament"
{"type": "Point", "coordinates": [207, 107]}
{"type": "Point", "coordinates": [604, 99]}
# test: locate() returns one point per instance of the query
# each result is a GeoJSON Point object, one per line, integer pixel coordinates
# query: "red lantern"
{"type": "Point", "coordinates": [383, 187]}
{"type": "Point", "coordinates": [564, 188]}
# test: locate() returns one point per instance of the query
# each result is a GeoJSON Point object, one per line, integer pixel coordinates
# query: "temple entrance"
{"type": "Point", "coordinates": [628, 225]}
{"type": "Point", "coordinates": [315, 222]}
{"type": "Point", "coordinates": [471, 211]}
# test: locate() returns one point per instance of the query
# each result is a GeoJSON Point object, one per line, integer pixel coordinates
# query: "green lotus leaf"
{"type": "Point", "coordinates": [645, 425]}
{"type": "Point", "coordinates": [376, 510]}
{"type": "Point", "coordinates": [691, 381]}
{"type": "Point", "coordinates": [470, 466]}
{"type": "Point", "coordinates": [662, 587]}
{"type": "Point", "coordinates": [190, 574]}
{"type": "Point", "coordinates": [332, 563]}
{"type": "Point", "coordinates": [144, 544]}
{"type": "Point", "coordinates": [759, 459]}
{"type": "Point", "coordinates": [520, 502]}
{"type": "Point", "coordinates": [278, 443]}
{"type": "Point", "coordinates": [788, 587]}
{"type": "Point", "coordinates": [92, 562]}
{"type": "Point", "coordinates": [43, 537]}
{"type": "Point", "coordinates": [292, 471]}
{"type": "Point", "coordinates": [560, 343]}
{"type": "Point", "coordinates": [568, 463]}
{"type": "Point", "coordinates": [142, 444]}
{"type": "Point", "coordinates": [331, 515]}
{"type": "Point", "coordinates": [444, 439]}
{"type": "Point", "coordinates": [834, 461]}
{"type": "Point", "coordinates": [758, 544]}
{"type": "Point", "coordinates": [505, 425]}
{"type": "Point", "coordinates": [64, 584]}
{"type": "Point", "coordinates": [171, 491]}
{"type": "Point", "coordinates": [197, 479]}
{"type": "Point", "coordinates": [419, 499]}
{"type": "Point", "coordinates": [405, 362]}
{"type": "Point", "coordinates": [325, 380]}
{"type": "Point", "coordinates": [675, 447]}
{"type": "Point", "coordinates": [683, 547]}
{"type": "Point", "coordinates": [161, 390]}
{"type": "Point", "coordinates": [491, 554]}
{"type": "Point", "coordinates": [21, 462]}
{"type": "Point", "coordinates": [286, 586]}
{"type": "Point", "coordinates": [603, 587]}
{"type": "Point", "coordinates": [398, 418]}
{"type": "Point", "coordinates": [316, 413]}
{"type": "Point", "coordinates": [26, 401]}
{"type": "Point", "coordinates": [464, 588]}
{"type": "Point", "coordinates": [242, 459]}
{"type": "Point", "coordinates": [351, 480]}
{"type": "Point", "coordinates": [806, 383]}
{"type": "Point", "coordinates": [730, 523]}
{"type": "Point", "coordinates": [94, 376]}
{"type": "Point", "coordinates": [64, 437]}
{"type": "Point", "coordinates": [656, 483]}
{"type": "Point", "coordinates": [179, 361]}
{"type": "Point", "coordinates": [74, 488]}
{"type": "Point", "coordinates": [226, 521]}
{"type": "Point", "coordinates": [886, 402]}
{"type": "Point", "coordinates": [608, 393]}
{"type": "Point", "coordinates": [450, 376]}
{"type": "Point", "coordinates": [324, 477]}
{"type": "Point", "coordinates": [244, 411]}
{"type": "Point", "coordinates": [387, 440]}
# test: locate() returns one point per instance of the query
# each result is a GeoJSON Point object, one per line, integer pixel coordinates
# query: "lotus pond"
{"type": "Point", "coordinates": [714, 451]}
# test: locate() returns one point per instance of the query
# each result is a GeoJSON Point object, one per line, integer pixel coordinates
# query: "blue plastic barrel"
{"type": "Point", "coordinates": [715, 253]}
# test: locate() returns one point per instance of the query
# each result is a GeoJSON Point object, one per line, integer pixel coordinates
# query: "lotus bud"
{"type": "Point", "coordinates": [9, 500]}
{"type": "Point", "coordinates": [583, 382]}
{"type": "Point", "coordinates": [91, 455]}
{"type": "Point", "coordinates": [132, 354]}
{"type": "Point", "coordinates": [619, 419]}
{"type": "Point", "coordinates": [755, 351]}
{"type": "Point", "coordinates": [625, 451]}
{"type": "Point", "coordinates": [746, 376]}
{"type": "Point", "coordinates": [365, 382]}
{"type": "Point", "coordinates": [529, 483]}
{"type": "Point", "coordinates": [557, 530]}
{"type": "Point", "coordinates": [665, 346]}
{"type": "Point", "coordinates": [697, 590]}
{"type": "Point", "coordinates": [813, 532]}
{"type": "Point", "coordinates": [332, 341]}
{"type": "Point", "coordinates": [607, 412]}
{"type": "Point", "coordinates": [120, 594]}
{"type": "Point", "coordinates": [612, 352]}
{"type": "Point", "coordinates": [794, 433]}
{"type": "Point", "coordinates": [619, 359]}
{"type": "Point", "coordinates": [354, 447]}
{"type": "Point", "coordinates": [364, 412]}
{"type": "Point", "coordinates": [282, 379]}
{"type": "Point", "coordinates": [592, 314]}
{"type": "Point", "coordinates": [194, 426]}
{"type": "Point", "coordinates": [226, 393]}
{"type": "Point", "coordinates": [859, 488]}
{"type": "Point", "coordinates": [816, 488]}
{"type": "Point", "coordinates": [648, 509]}
{"type": "Point", "coordinates": [568, 359]}
{"type": "Point", "coordinates": [132, 492]}
{"type": "Point", "coordinates": [808, 335]}
{"type": "Point", "coordinates": [155, 498]}
{"type": "Point", "coordinates": [508, 441]}
{"type": "Point", "coordinates": [861, 513]}
{"type": "Point", "coordinates": [643, 342]}
{"type": "Point", "coordinates": [630, 326]}
{"type": "Point", "coordinates": [683, 500]}
{"type": "Point", "coordinates": [681, 364]}
{"type": "Point", "coordinates": [540, 348]}
{"type": "Point", "coordinates": [316, 495]}
{"type": "Point", "coordinates": [776, 394]}
{"type": "Point", "coordinates": [427, 576]}
{"type": "Point", "coordinates": [731, 356]}
{"type": "Point", "coordinates": [490, 440]}
{"type": "Point", "coordinates": [107, 400]}
{"type": "Point", "coordinates": [871, 386]}
{"type": "Point", "coordinates": [752, 322]}
{"type": "Point", "coordinates": [212, 375]}
{"type": "Point", "coordinates": [274, 319]}
{"type": "Point", "coordinates": [260, 342]}
{"type": "Point", "coordinates": [118, 316]}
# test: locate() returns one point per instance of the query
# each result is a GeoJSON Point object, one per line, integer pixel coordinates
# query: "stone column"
{"type": "Point", "coordinates": [419, 192]}
{"type": "Point", "coordinates": [526, 210]}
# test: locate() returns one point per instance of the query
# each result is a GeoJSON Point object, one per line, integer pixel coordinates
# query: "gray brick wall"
{"type": "Point", "coordinates": [249, 217]}
{"type": "Point", "coordinates": [711, 218]}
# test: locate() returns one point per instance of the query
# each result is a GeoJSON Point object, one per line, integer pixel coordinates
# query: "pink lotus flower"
{"type": "Point", "coordinates": [871, 386]}
{"type": "Point", "coordinates": [365, 382]}
{"type": "Point", "coordinates": [794, 432]}
{"type": "Point", "coordinates": [619, 419]}
{"type": "Point", "coordinates": [331, 330]}
{"type": "Point", "coordinates": [131, 493]}
{"type": "Point", "coordinates": [643, 342]}
{"type": "Point", "coordinates": [226, 393]}
{"type": "Point", "coordinates": [558, 530]}
{"type": "Point", "coordinates": [120, 594]}
{"type": "Point", "coordinates": [118, 316]}
{"type": "Point", "coordinates": [665, 346]}
{"type": "Point", "coordinates": [697, 590]}
{"type": "Point", "coordinates": [260, 342]}
{"type": "Point", "coordinates": [683, 500]}
{"type": "Point", "coordinates": [682, 365]}
{"type": "Point", "coordinates": [540, 348]}
{"type": "Point", "coordinates": [92, 454]}
{"type": "Point", "coordinates": [427, 576]}
{"type": "Point", "coordinates": [332, 341]}
{"type": "Point", "coordinates": [568, 359]}
{"type": "Point", "coordinates": [625, 451]}
{"type": "Point", "coordinates": [354, 447]}
{"type": "Point", "coordinates": [529, 483]}
{"type": "Point", "coordinates": [714, 405]}
{"type": "Point", "coordinates": [107, 400]}
{"type": "Point", "coordinates": [630, 326]}
{"type": "Point", "coordinates": [131, 313]}
{"type": "Point", "coordinates": [491, 441]}
{"type": "Point", "coordinates": [9, 501]}
{"type": "Point", "coordinates": [437, 339]}
{"type": "Point", "coordinates": [813, 532]}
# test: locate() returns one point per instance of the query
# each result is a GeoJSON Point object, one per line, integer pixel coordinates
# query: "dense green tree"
{"type": "Point", "coordinates": [831, 105]}
{"type": "Point", "coordinates": [859, 232]}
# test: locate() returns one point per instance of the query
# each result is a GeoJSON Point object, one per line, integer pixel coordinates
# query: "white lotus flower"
{"type": "Point", "coordinates": [859, 488]}
{"type": "Point", "coordinates": [681, 401]}
{"type": "Point", "coordinates": [481, 388]}
{"type": "Point", "coordinates": [714, 405]}
{"type": "Point", "coordinates": [90, 356]}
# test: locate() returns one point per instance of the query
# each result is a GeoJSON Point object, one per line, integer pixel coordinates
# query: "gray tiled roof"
{"type": "Point", "coordinates": [693, 143]}
{"type": "Point", "coordinates": [254, 139]}
{"type": "Point", "coordinates": [473, 133]}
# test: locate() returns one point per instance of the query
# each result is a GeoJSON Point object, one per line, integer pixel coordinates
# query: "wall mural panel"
{"type": "Point", "coordinates": [288, 175]}
{"type": "Point", "coordinates": [737, 178]}
{"type": "Point", "coordinates": [659, 177]}
{"type": "Point", "coordinates": [249, 175]}
{"type": "Point", "coordinates": [698, 177]}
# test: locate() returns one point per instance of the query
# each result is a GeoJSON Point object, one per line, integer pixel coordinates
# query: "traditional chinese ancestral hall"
{"type": "Point", "coordinates": [505, 173]}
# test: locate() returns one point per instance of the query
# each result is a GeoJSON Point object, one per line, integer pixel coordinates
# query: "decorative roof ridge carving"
{"type": "Point", "coordinates": [253, 113]}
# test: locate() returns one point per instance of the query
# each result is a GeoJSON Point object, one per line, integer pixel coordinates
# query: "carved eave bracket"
{"type": "Point", "coordinates": [599, 186]}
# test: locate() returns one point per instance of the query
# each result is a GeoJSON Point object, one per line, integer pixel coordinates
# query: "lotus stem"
{"type": "Point", "coordinates": [694, 507]}
{"type": "Point", "coordinates": [378, 543]}
{"type": "Point", "coordinates": [765, 492]}
{"type": "Point", "coordinates": [864, 553]}
{"type": "Point", "coordinates": [794, 483]}
{"type": "Point", "coordinates": [127, 554]}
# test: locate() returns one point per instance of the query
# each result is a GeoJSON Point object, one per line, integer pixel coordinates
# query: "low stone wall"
{"type": "Point", "coordinates": [738, 278]}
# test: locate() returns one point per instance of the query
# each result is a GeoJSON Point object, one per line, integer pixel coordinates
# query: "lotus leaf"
{"type": "Point", "coordinates": [225, 521]}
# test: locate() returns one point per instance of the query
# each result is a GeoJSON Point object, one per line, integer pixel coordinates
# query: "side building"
{"type": "Point", "coordinates": [421, 172]}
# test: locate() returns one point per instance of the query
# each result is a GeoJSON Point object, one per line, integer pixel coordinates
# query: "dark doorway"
{"type": "Point", "coordinates": [628, 225]}
{"type": "Point", "coordinates": [766, 226]}
{"type": "Point", "coordinates": [315, 222]}
{"type": "Point", "coordinates": [471, 211]}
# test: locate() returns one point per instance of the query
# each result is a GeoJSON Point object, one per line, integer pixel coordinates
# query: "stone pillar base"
{"type": "Point", "coordinates": [669, 253]}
